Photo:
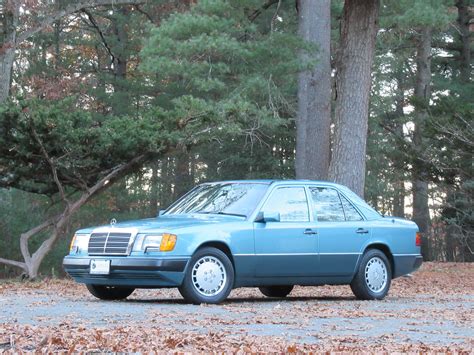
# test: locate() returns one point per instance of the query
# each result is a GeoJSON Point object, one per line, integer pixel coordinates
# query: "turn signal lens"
{"type": "Point", "coordinates": [418, 239]}
{"type": "Point", "coordinates": [168, 241]}
{"type": "Point", "coordinates": [72, 245]}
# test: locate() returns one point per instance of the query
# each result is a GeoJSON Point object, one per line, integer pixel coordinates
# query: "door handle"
{"type": "Point", "coordinates": [362, 231]}
{"type": "Point", "coordinates": [309, 231]}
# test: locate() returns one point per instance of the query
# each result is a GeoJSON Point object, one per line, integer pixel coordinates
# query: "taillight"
{"type": "Point", "coordinates": [418, 239]}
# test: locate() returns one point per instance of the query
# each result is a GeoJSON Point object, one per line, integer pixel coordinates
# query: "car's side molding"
{"type": "Point", "coordinates": [290, 254]}
{"type": "Point", "coordinates": [406, 254]}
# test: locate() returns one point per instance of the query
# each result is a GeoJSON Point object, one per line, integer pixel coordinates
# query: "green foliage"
{"type": "Point", "coordinates": [445, 151]}
{"type": "Point", "coordinates": [212, 63]}
{"type": "Point", "coordinates": [82, 146]}
{"type": "Point", "coordinates": [410, 14]}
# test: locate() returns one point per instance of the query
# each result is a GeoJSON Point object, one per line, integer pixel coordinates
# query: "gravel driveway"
{"type": "Point", "coordinates": [430, 311]}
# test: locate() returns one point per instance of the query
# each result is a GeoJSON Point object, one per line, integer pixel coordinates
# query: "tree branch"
{"type": "Point", "coordinates": [13, 263]}
{"type": "Point", "coordinates": [275, 16]}
{"type": "Point", "coordinates": [143, 12]}
{"type": "Point", "coordinates": [54, 171]}
{"type": "Point", "coordinates": [58, 221]}
{"type": "Point", "coordinates": [68, 10]}
{"type": "Point", "coordinates": [101, 34]}
{"type": "Point", "coordinates": [259, 11]}
{"type": "Point", "coordinates": [63, 218]}
{"type": "Point", "coordinates": [28, 234]}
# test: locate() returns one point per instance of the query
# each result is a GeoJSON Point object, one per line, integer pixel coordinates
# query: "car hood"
{"type": "Point", "coordinates": [168, 222]}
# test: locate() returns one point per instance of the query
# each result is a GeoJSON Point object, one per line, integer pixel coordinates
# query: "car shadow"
{"type": "Point", "coordinates": [236, 300]}
{"type": "Point", "coordinates": [288, 299]}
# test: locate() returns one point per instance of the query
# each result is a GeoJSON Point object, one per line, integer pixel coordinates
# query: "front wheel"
{"type": "Point", "coordinates": [276, 291]}
{"type": "Point", "coordinates": [373, 277]}
{"type": "Point", "coordinates": [209, 277]}
{"type": "Point", "coordinates": [110, 292]}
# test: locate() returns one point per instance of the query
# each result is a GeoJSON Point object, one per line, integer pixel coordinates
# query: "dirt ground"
{"type": "Point", "coordinates": [431, 311]}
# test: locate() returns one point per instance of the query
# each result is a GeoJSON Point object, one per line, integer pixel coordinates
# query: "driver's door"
{"type": "Point", "coordinates": [287, 247]}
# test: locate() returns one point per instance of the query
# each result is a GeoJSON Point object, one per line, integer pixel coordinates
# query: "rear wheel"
{"type": "Point", "coordinates": [373, 277]}
{"type": "Point", "coordinates": [276, 291]}
{"type": "Point", "coordinates": [110, 292]}
{"type": "Point", "coordinates": [209, 277]}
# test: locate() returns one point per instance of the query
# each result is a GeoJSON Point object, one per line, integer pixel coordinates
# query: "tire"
{"type": "Point", "coordinates": [110, 292]}
{"type": "Point", "coordinates": [208, 262]}
{"type": "Point", "coordinates": [374, 276]}
{"type": "Point", "coordinates": [276, 291]}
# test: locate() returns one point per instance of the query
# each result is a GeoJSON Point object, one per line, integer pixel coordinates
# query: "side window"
{"type": "Point", "coordinates": [351, 213]}
{"type": "Point", "coordinates": [290, 203]}
{"type": "Point", "coordinates": [327, 205]}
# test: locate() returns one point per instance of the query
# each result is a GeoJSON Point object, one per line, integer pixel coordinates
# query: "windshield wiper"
{"type": "Point", "coordinates": [232, 214]}
{"type": "Point", "coordinates": [223, 213]}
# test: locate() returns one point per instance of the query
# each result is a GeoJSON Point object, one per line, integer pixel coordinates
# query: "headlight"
{"type": "Point", "coordinates": [138, 243]}
{"type": "Point", "coordinates": [79, 243]}
{"type": "Point", "coordinates": [151, 242]}
{"type": "Point", "coordinates": [164, 242]}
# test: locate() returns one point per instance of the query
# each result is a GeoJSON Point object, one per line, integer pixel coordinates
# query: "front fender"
{"type": "Point", "coordinates": [239, 241]}
{"type": "Point", "coordinates": [198, 240]}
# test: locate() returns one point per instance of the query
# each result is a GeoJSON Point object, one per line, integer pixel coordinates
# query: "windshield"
{"type": "Point", "coordinates": [238, 199]}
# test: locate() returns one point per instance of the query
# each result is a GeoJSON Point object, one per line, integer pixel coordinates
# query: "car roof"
{"type": "Point", "coordinates": [276, 181]}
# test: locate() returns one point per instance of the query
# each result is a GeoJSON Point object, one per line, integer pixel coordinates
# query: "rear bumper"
{"type": "Point", "coordinates": [129, 271]}
{"type": "Point", "coordinates": [406, 263]}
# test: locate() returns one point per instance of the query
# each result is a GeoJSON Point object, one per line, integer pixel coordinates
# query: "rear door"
{"type": "Point", "coordinates": [342, 231]}
{"type": "Point", "coordinates": [287, 247]}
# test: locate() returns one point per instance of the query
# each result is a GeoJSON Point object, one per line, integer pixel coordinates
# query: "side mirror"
{"type": "Point", "coordinates": [267, 217]}
{"type": "Point", "coordinates": [161, 212]}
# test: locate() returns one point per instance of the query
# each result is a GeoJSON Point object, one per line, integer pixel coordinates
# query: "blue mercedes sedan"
{"type": "Point", "coordinates": [271, 234]}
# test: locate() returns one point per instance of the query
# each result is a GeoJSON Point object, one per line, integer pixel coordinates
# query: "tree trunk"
{"type": "Point", "coordinates": [353, 79]}
{"type": "Point", "coordinates": [314, 93]}
{"type": "Point", "coordinates": [154, 188]}
{"type": "Point", "coordinates": [182, 182]}
{"type": "Point", "coordinates": [421, 212]}
{"type": "Point", "coordinates": [449, 212]}
{"type": "Point", "coordinates": [399, 164]}
{"type": "Point", "coordinates": [464, 33]}
{"type": "Point", "coordinates": [33, 261]}
{"type": "Point", "coordinates": [7, 49]}
{"type": "Point", "coordinates": [399, 202]}
{"type": "Point", "coordinates": [463, 20]}
{"type": "Point", "coordinates": [166, 192]}
{"type": "Point", "coordinates": [121, 99]}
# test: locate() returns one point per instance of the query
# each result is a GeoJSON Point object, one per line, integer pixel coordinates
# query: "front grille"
{"type": "Point", "coordinates": [109, 243]}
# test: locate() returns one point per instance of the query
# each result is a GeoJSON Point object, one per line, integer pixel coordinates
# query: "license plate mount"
{"type": "Point", "coordinates": [100, 267]}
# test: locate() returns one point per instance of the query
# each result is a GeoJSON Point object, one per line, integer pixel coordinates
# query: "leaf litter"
{"type": "Point", "coordinates": [424, 303]}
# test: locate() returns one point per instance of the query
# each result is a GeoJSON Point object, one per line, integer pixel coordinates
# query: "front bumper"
{"type": "Point", "coordinates": [129, 271]}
